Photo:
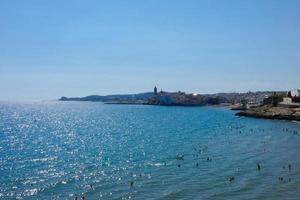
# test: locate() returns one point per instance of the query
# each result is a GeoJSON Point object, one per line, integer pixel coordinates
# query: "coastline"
{"type": "Point", "coordinates": [267, 112]}
{"type": "Point", "coordinates": [281, 111]}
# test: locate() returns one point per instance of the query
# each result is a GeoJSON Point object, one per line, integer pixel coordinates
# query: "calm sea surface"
{"type": "Point", "coordinates": [63, 150]}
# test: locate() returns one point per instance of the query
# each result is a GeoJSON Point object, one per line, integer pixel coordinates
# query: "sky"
{"type": "Point", "coordinates": [54, 48]}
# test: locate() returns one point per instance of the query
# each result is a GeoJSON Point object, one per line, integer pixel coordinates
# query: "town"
{"type": "Point", "coordinates": [237, 101]}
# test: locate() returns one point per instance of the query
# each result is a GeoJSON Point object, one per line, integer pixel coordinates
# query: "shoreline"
{"type": "Point", "coordinates": [263, 112]}
{"type": "Point", "coordinates": [267, 112]}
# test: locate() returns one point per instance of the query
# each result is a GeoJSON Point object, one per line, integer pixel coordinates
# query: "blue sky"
{"type": "Point", "coordinates": [75, 48]}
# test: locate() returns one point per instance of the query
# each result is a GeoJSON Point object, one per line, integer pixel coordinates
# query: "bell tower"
{"type": "Point", "coordinates": [155, 90]}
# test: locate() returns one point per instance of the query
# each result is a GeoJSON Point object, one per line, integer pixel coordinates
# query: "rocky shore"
{"type": "Point", "coordinates": [269, 112]}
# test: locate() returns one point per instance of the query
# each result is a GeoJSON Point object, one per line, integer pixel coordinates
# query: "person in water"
{"type": "Point", "coordinates": [131, 183]}
{"type": "Point", "coordinates": [258, 166]}
{"type": "Point", "coordinates": [180, 157]}
{"type": "Point", "coordinates": [290, 167]}
{"type": "Point", "coordinates": [231, 178]}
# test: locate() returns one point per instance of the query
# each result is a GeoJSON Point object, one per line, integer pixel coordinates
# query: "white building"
{"type": "Point", "coordinates": [287, 100]}
{"type": "Point", "coordinates": [295, 93]}
{"type": "Point", "coordinates": [287, 103]}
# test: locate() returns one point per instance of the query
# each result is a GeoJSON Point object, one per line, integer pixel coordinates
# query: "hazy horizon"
{"type": "Point", "coordinates": [51, 49]}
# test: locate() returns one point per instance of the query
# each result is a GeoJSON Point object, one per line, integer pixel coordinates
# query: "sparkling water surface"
{"type": "Point", "coordinates": [63, 150]}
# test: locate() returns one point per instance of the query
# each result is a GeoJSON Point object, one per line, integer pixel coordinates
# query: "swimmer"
{"type": "Point", "coordinates": [231, 178]}
{"type": "Point", "coordinates": [180, 157]}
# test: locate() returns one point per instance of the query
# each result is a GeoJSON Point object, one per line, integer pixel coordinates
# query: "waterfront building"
{"type": "Point", "coordinates": [295, 93]}
{"type": "Point", "coordinates": [288, 103]}
{"type": "Point", "coordinates": [287, 100]}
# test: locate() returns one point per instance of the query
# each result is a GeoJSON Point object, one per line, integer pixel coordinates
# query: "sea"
{"type": "Point", "coordinates": [91, 150]}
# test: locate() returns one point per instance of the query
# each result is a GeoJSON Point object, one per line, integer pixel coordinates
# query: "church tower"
{"type": "Point", "coordinates": [155, 90]}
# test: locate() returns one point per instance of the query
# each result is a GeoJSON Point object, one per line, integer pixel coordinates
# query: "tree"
{"type": "Point", "coordinates": [289, 94]}
{"type": "Point", "coordinates": [296, 99]}
{"type": "Point", "coordinates": [244, 102]}
{"type": "Point", "coordinates": [276, 99]}
{"type": "Point", "coordinates": [273, 100]}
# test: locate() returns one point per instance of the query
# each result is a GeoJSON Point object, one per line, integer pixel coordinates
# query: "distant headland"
{"type": "Point", "coordinates": [284, 106]}
{"type": "Point", "coordinates": [238, 101]}
{"type": "Point", "coordinates": [268, 104]}
{"type": "Point", "coordinates": [148, 98]}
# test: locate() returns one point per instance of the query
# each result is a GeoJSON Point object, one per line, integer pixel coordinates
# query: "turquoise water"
{"type": "Point", "coordinates": [61, 150]}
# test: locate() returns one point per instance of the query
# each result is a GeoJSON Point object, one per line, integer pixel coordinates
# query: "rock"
{"type": "Point", "coordinates": [269, 112]}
